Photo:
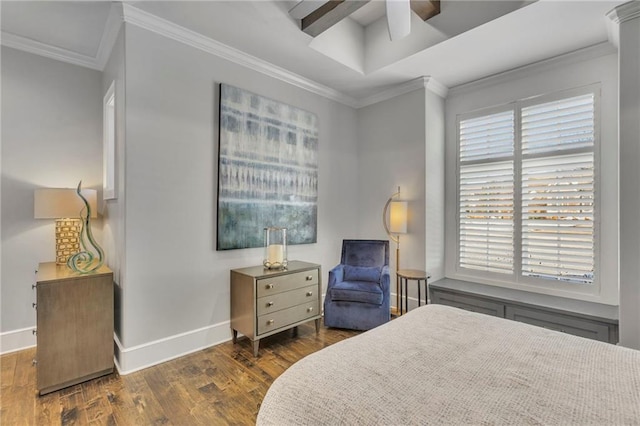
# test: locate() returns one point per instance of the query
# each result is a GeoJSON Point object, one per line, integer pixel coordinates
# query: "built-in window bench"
{"type": "Point", "coordinates": [586, 319]}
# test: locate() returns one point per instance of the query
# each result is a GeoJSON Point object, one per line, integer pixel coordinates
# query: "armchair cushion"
{"type": "Point", "coordinates": [357, 291]}
{"type": "Point", "coordinates": [362, 273]}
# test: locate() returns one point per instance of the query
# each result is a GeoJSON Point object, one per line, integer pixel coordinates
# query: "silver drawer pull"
{"type": "Point", "coordinates": [34, 362]}
{"type": "Point", "coordinates": [309, 293]}
{"type": "Point", "coordinates": [34, 332]}
{"type": "Point", "coordinates": [35, 305]}
{"type": "Point", "coordinates": [310, 309]}
{"type": "Point", "coordinates": [268, 286]}
{"type": "Point", "coordinates": [269, 304]}
{"type": "Point", "coordinates": [270, 322]}
{"type": "Point", "coordinates": [309, 277]}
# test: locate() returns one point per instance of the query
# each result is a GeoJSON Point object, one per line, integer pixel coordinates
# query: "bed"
{"type": "Point", "coordinates": [442, 365]}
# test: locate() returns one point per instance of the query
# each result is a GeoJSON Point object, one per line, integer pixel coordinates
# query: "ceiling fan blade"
{"type": "Point", "coordinates": [398, 18]}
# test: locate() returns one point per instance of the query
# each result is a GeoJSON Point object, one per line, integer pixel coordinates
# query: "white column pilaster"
{"type": "Point", "coordinates": [626, 19]}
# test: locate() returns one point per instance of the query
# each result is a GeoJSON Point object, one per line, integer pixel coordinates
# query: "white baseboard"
{"type": "Point", "coordinates": [17, 340]}
{"type": "Point", "coordinates": [129, 360]}
{"type": "Point", "coordinates": [413, 301]}
{"type": "Point", "coordinates": [136, 358]}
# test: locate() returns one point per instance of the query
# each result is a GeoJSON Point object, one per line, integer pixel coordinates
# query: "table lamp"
{"type": "Point", "coordinates": [64, 205]}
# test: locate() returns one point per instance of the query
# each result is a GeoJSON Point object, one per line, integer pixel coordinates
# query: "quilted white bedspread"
{"type": "Point", "coordinates": [442, 365]}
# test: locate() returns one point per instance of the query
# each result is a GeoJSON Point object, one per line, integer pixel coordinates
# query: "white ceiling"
{"type": "Point", "coordinates": [467, 41]}
{"type": "Point", "coordinates": [369, 13]}
{"type": "Point", "coordinates": [74, 26]}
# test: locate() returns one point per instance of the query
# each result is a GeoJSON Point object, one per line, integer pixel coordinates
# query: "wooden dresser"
{"type": "Point", "coordinates": [74, 326]}
{"type": "Point", "coordinates": [265, 302]}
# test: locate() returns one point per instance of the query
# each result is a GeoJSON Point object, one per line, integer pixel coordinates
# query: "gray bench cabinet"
{"type": "Point", "coordinates": [460, 294]}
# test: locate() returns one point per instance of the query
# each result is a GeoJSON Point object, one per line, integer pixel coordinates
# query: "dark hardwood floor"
{"type": "Point", "coordinates": [220, 385]}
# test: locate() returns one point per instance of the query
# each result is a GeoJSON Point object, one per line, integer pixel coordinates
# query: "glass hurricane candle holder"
{"type": "Point", "coordinates": [275, 248]}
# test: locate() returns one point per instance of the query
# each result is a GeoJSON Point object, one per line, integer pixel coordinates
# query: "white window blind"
{"type": "Point", "coordinates": [486, 193]}
{"type": "Point", "coordinates": [548, 167]}
{"type": "Point", "coordinates": [558, 191]}
{"type": "Point", "coordinates": [486, 217]}
{"type": "Point", "coordinates": [487, 137]}
{"type": "Point", "coordinates": [559, 125]}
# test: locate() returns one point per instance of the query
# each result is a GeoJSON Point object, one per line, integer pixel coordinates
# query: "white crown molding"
{"type": "Point", "coordinates": [618, 15]}
{"type": "Point", "coordinates": [428, 83]}
{"type": "Point", "coordinates": [109, 35]}
{"type": "Point", "coordinates": [584, 54]}
{"type": "Point", "coordinates": [436, 87]}
{"type": "Point", "coordinates": [149, 22]}
{"type": "Point", "coordinates": [625, 12]}
{"type": "Point", "coordinates": [613, 32]}
{"type": "Point", "coordinates": [48, 51]}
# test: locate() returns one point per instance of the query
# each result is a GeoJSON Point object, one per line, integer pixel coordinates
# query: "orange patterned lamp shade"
{"type": "Point", "coordinates": [64, 205]}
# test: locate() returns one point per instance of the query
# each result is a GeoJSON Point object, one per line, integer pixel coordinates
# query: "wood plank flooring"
{"type": "Point", "coordinates": [220, 385]}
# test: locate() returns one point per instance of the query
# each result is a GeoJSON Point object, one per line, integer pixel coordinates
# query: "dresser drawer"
{"type": "Point", "coordinates": [468, 303]}
{"type": "Point", "coordinates": [278, 284]}
{"type": "Point", "coordinates": [283, 318]}
{"type": "Point", "coordinates": [559, 322]}
{"type": "Point", "coordinates": [287, 299]}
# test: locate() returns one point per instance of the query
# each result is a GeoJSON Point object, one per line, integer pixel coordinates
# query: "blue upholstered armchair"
{"type": "Point", "coordinates": [358, 293]}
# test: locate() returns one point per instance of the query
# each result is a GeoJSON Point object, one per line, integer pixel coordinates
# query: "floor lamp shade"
{"type": "Point", "coordinates": [64, 205]}
{"type": "Point", "coordinates": [398, 217]}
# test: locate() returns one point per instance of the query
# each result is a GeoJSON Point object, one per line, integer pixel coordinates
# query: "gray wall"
{"type": "Point", "coordinates": [391, 153]}
{"type": "Point", "coordinates": [51, 137]}
{"type": "Point", "coordinates": [175, 280]}
{"type": "Point", "coordinates": [159, 234]}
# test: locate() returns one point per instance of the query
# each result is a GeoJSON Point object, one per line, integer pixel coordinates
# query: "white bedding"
{"type": "Point", "coordinates": [442, 365]}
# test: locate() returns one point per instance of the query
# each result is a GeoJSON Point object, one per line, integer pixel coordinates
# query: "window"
{"type": "Point", "coordinates": [109, 144]}
{"type": "Point", "coordinates": [486, 192]}
{"type": "Point", "coordinates": [527, 191]}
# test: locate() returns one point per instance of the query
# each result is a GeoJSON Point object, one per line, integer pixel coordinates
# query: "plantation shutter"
{"type": "Point", "coordinates": [558, 126]}
{"type": "Point", "coordinates": [487, 137]}
{"type": "Point", "coordinates": [558, 190]}
{"type": "Point", "coordinates": [486, 193]}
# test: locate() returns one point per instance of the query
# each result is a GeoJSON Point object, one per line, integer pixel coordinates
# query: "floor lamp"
{"type": "Point", "coordinates": [395, 225]}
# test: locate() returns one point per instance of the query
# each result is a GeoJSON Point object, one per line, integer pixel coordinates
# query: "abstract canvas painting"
{"type": "Point", "coordinates": [267, 170]}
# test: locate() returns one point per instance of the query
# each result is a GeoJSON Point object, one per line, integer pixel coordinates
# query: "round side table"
{"type": "Point", "coordinates": [404, 275]}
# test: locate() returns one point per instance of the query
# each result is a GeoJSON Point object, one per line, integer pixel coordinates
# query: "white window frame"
{"type": "Point", "coordinates": [516, 279]}
{"type": "Point", "coordinates": [109, 144]}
